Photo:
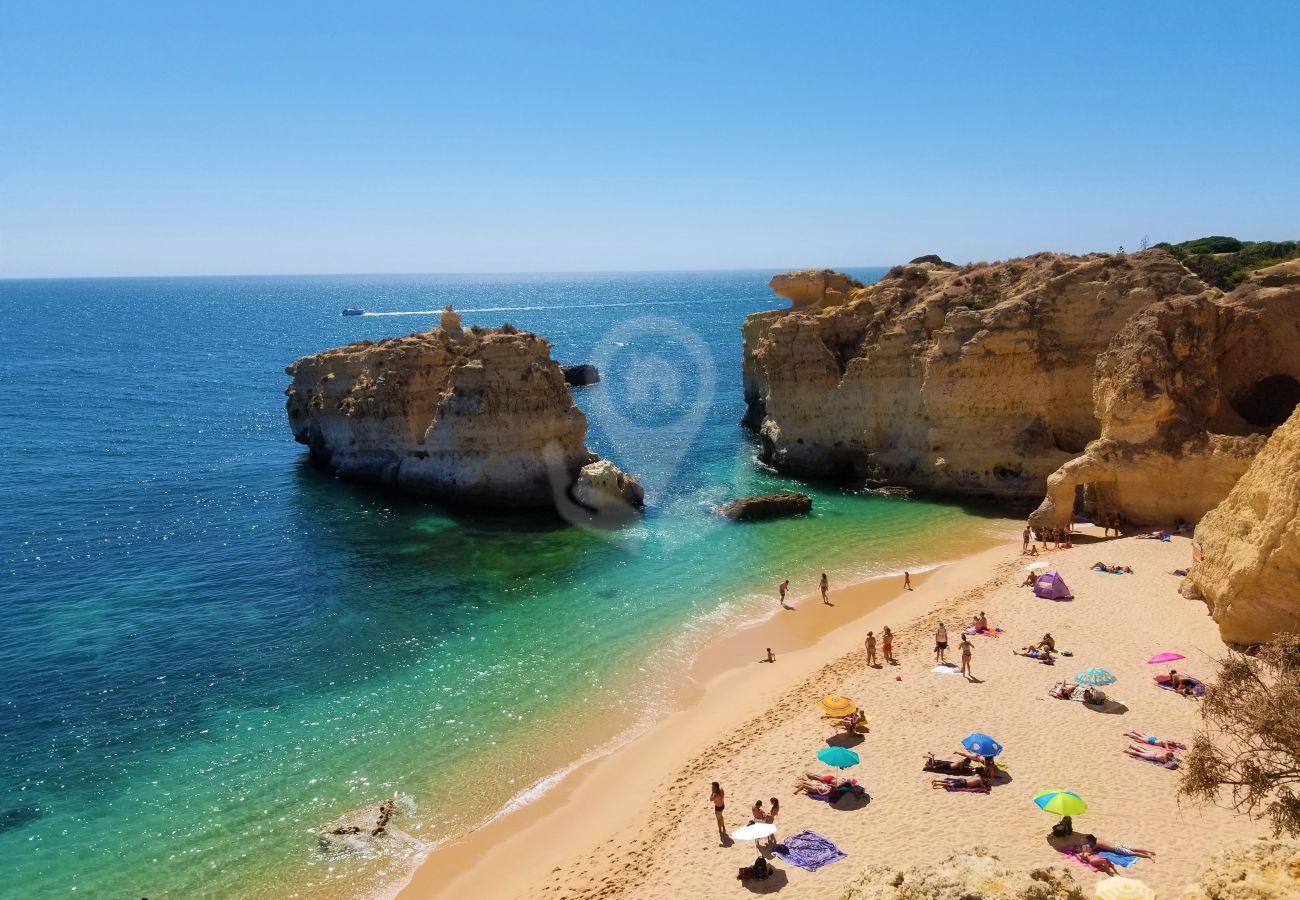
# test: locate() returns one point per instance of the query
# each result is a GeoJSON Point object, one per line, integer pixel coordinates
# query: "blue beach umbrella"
{"type": "Point", "coordinates": [838, 757]}
{"type": "Point", "coordinates": [981, 744]}
{"type": "Point", "coordinates": [1095, 676]}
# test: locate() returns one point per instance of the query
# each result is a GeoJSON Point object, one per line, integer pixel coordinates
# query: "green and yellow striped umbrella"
{"type": "Point", "coordinates": [1118, 888]}
{"type": "Point", "coordinates": [1061, 803]}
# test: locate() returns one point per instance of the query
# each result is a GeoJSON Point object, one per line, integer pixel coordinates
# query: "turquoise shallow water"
{"type": "Point", "coordinates": [210, 647]}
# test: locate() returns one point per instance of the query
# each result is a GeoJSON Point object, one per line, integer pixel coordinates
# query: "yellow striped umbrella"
{"type": "Point", "coordinates": [1124, 889]}
{"type": "Point", "coordinates": [836, 705]}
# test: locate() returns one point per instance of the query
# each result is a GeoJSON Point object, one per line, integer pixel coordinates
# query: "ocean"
{"type": "Point", "coordinates": [210, 648]}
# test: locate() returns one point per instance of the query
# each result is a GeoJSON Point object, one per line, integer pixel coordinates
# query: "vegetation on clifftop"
{"type": "Point", "coordinates": [1226, 261]}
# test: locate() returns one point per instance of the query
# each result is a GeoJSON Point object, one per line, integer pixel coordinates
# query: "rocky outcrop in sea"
{"type": "Point", "coordinates": [478, 416]}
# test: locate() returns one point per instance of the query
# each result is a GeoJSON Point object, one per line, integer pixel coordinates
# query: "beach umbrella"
{"type": "Point", "coordinates": [981, 744]}
{"type": "Point", "coordinates": [1095, 676]}
{"type": "Point", "coordinates": [836, 705]}
{"type": "Point", "coordinates": [755, 831]}
{"type": "Point", "coordinates": [1117, 888]}
{"type": "Point", "coordinates": [839, 757]}
{"type": "Point", "coordinates": [1034, 567]}
{"type": "Point", "coordinates": [1061, 803]}
{"type": "Point", "coordinates": [1164, 658]}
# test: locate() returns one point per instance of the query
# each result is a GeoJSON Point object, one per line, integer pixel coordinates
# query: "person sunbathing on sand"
{"type": "Point", "coordinates": [1029, 580]}
{"type": "Point", "coordinates": [961, 766]}
{"type": "Point", "coordinates": [1035, 652]}
{"type": "Point", "coordinates": [1048, 642]}
{"type": "Point", "coordinates": [1153, 741]}
{"type": "Point", "coordinates": [1092, 842]}
{"type": "Point", "coordinates": [1166, 758]}
{"type": "Point", "coordinates": [959, 781]}
{"type": "Point", "coordinates": [1091, 858]}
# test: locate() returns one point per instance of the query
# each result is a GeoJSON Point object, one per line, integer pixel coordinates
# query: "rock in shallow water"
{"type": "Point", "coordinates": [769, 506]}
{"type": "Point", "coordinates": [580, 375]}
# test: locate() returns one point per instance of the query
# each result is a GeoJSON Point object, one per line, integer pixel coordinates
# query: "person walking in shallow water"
{"type": "Point", "coordinates": [907, 581]}
{"type": "Point", "coordinates": [785, 586]}
{"type": "Point", "coordinates": [825, 586]}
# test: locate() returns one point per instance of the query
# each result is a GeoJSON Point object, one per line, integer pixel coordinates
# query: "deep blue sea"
{"type": "Point", "coordinates": [208, 648]}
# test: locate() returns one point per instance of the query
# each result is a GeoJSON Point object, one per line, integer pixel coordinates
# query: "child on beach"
{"type": "Point", "coordinates": [887, 641]}
{"type": "Point", "coordinates": [871, 649]}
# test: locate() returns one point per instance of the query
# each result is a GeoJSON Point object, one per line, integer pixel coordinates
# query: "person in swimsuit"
{"type": "Point", "coordinates": [772, 810]}
{"type": "Point", "coordinates": [1154, 741]}
{"type": "Point", "coordinates": [966, 648]}
{"type": "Point", "coordinates": [771, 657]}
{"type": "Point", "coordinates": [719, 801]}
{"type": "Point", "coordinates": [825, 586]}
{"type": "Point", "coordinates": [1165, 758]}
{"type": "Point", "coordinates": [887, 644]}
{"type": "Point", "coordinates": [871, 648]}
{"type": "Point", "coordinates": [1048, 642]}
{"type": "Point", "coordinates": [1095, 843]}
{"type": "Point", "coordinates": [907, 581]}
{"type": "Point", "coordinates": [757, 812]}
{"type": "Point", "coordinates": [1024, 545]}
{"type": "Point", "coordinates": [940, 643]}
{"type": "Point", "coordinates": [959, 781]}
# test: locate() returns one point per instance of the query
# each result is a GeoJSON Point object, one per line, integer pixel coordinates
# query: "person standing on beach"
{"type": "Point", "coordinates": [871, 649]}
{"type": "Point", "coordinates": [907, 581]}
{"type": "Point", "coordinates": [966, 649]}
{"type": "Point", "coordinates": [825, 586]}
{"type": "Point", "coordinates": [887, 642]}
{"type": "Point", "coordinates": [1024, 546]}
{"type": "Point", "coordinates": [785, 586]}
{"type": "Point", "coordinates": [719, 801]}
{"type": "Point", "coordinates": [941, 644]}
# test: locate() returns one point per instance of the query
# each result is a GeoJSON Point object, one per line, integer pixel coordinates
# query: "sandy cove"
{"type": "Point", "coordinates": [638, 823]}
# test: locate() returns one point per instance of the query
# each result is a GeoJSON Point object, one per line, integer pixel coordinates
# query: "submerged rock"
{"type": "Point", "coordinates": [580, 375]}
{"type": "Point", "coordinates": [972, 875]}
{"type": "Point", "coordinates": [478, 416]}
{"type": "Point", "coordinates": [1249, 570]}
{"type": "Point", "coordinates": [769, 506]}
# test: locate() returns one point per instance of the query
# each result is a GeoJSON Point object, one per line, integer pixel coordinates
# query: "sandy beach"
{"type": "Point", "coordinates": [638, 823]}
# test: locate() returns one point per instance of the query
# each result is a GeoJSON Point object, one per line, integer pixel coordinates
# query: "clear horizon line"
{"type": "Point", "coordinates": [774, 269]}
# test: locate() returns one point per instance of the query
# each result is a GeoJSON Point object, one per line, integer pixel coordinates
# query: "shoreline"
{"type": "Point", "coordinates": [728, 662]}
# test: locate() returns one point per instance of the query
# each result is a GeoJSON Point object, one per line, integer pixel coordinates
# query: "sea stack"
{"type": "Point", "coordinates": [476, 416]}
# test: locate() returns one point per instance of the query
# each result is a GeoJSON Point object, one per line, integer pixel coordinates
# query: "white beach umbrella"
{"type": "Point", "coordinates": [1118, 888]}
{"type": "Point", "coordinates": [754, 832]}
{"type": "Point", "coordinates": [1034, 567]}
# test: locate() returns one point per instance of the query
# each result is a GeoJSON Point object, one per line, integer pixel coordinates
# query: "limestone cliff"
{"type": "Point", "coordinates": [971, 875]}
{"type": "Point", "coordinates": [1262, 870]}
{"type": "Point", "coordinates": [971, 380]}
{"type": "Point", "coordinates": [1249, 571]}
{"type": "Point", "coordinates": [480, 416]}
{"type": "Point", "coordinates": [1186, 394]}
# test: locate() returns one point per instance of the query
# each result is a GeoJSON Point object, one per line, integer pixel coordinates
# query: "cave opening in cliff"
{"type": "Point", "coordinates": [1268, 402]}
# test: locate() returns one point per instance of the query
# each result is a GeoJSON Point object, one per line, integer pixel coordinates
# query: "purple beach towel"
{"type": "Point", "coordinates": [808, 850]}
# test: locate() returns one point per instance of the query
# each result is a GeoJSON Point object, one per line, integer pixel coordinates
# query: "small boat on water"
{"type": "Point", "coordinates": [352, 311]}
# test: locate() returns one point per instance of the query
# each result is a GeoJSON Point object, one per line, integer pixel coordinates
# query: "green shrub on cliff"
{"type": "Point", "coordinates": [1226, 261]}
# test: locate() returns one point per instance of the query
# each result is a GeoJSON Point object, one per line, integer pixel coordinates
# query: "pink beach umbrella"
{"type": "Point", "coordinates": [1164, 658]}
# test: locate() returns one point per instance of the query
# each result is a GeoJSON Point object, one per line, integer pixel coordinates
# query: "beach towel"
{"type": "Point", "coordinates": [1198, 687]}
{"type": "Point", "coordinates": [1118, 859]}
{"type": "Point", "coordinates": [947, 670]}
{"type": "Point", "coordinates": [991, 632]}
{"type": "Point", "coordinates": [1170, 764]}
{"type": "Point", "coordinates": [808, 850]}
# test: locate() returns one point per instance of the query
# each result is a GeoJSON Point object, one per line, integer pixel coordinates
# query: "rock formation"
{"type": "Point", "coordinates": [480, 416]}
{"type": "Point", "coordinates": [580, 375]}
{"type": "Point", "coordinates": [1249, 570]}
{"type": "Point", "coordinates": [1186, 394]}
{"type": "Point", "coordinates": [972, 380]}
{"type": "Point", "coordinates": [1262, 870]}
{"type": "Point", "coordinates": [973, 875]}
{"type": "Point", "coordinates": [606, 491]}
{"type": "Point", "coordinates": [769, 506]}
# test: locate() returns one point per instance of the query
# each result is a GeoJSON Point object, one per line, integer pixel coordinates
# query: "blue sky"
{"type": "Point", "coordinates": [176, 138]}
